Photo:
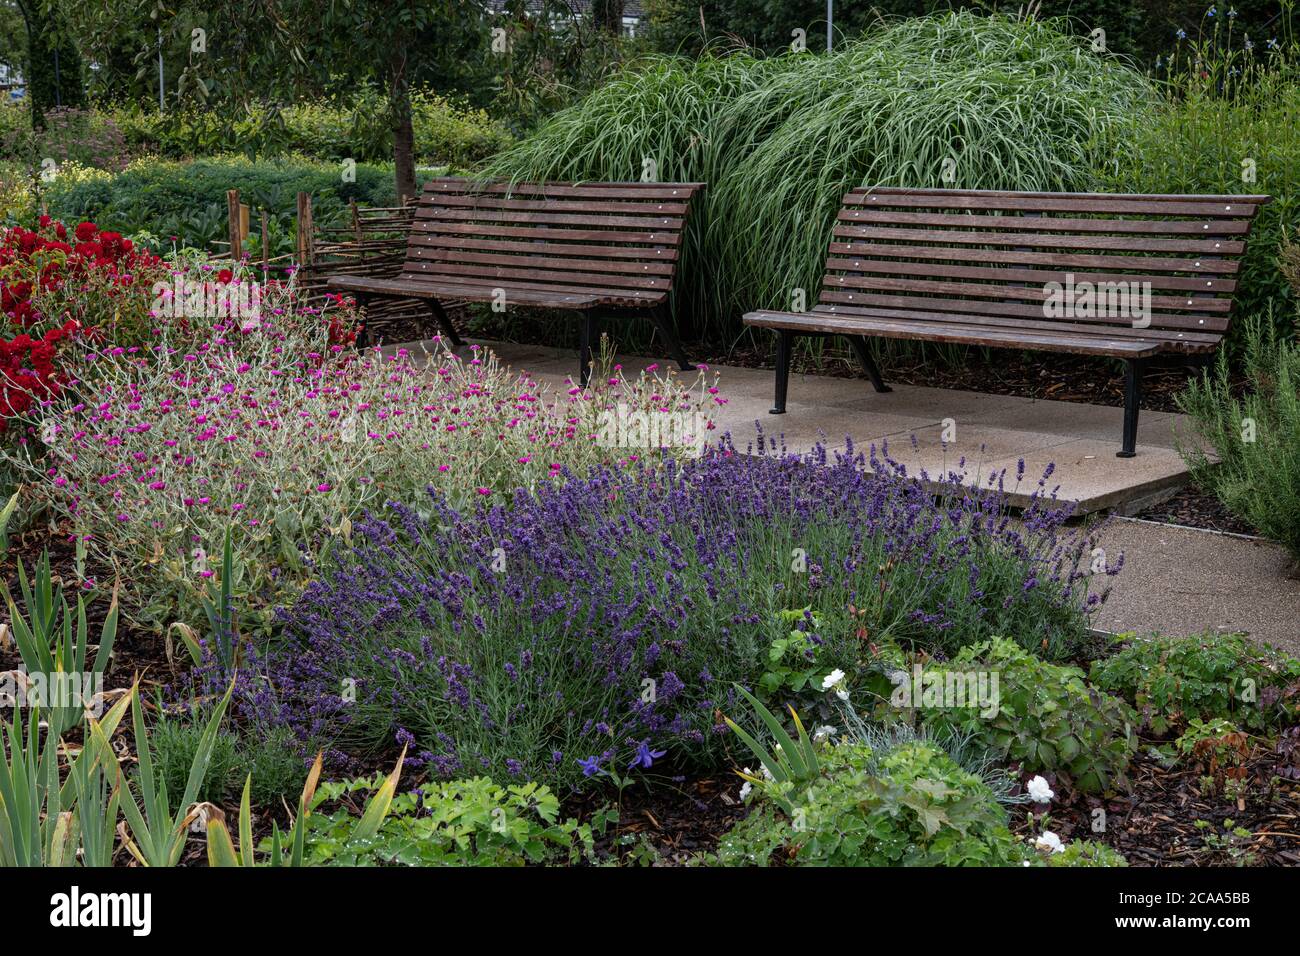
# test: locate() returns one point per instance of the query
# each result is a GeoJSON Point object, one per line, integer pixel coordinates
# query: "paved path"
{"type": "Point", "coordinates": [1186, 581]}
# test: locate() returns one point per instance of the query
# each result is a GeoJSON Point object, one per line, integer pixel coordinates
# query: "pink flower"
{"type": "Point", "coordinates": [484, 491]}
{"type": "Point", "coordinates": [323, 486]}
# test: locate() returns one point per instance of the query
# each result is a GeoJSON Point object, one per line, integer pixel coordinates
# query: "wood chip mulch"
{"type": "Point", "coordinates": [1197, 509]}
{"type": "Point", "coordinates": [1156, 823]}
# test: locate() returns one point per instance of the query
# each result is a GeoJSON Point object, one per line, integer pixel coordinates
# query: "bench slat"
{"type": "Point", "coordinates": [604, 190]}
{"type": "Point", "coordinates": [542, 246]}
{"type": "Point", "coordinates": [620, 266]}
{"type": "Point", "coordinates": [1211, 286]}
{"type": "Point", "coordinates": [557, 218]}
{"type": "Point", "coordinates": [954, 333]}
{"type": "Point", "coordinates": [1053, 224]}
{"type": "Point", "coordinates": [664, 237]}
{"type": "Point", "coordinates": [1208, 263]}
{"type": "Point", "coordinates": [507, 274]}
{"type": "Point", "coordinates": [966, 289]}
{"type": "Point", "coordinates": [1078, 326]}
{"type": "Point", "coordinates": [1013, 202]}
{"type": "Point", "coordinates": [1166, 320]}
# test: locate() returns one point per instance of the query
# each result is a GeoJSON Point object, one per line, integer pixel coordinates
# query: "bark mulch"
{"type": "Point", "coordinates": [1156, 823]}
{"type": "Point", "coordinates": [1197, 509]}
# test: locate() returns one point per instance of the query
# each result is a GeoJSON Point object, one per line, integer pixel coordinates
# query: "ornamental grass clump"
{"type": "Point", "coordinates": [276, 429]}
{"type": "Point", "coordinates": [586, 628]}
{"type": "Point", "coordinates": [956, 100]}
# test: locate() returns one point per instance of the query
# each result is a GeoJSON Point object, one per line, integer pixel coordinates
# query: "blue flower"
{"type": "Point", "coordinates": [1211, 12]}
{"type": "Point", "coordinates": [590, 766]}
{"type": "Point", "coordinates": [1181, 34]}
{"type": "Point", "coordinates": [645, 757]}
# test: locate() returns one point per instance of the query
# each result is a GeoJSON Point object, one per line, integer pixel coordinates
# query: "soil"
{"type": "Point", "coordinates": [1156, 823]}
{"type": "Point", "coordinates": [1197, 509]}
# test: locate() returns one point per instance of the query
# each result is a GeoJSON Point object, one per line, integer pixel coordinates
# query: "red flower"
{"type": "Point", "coordinates": [86, 231]}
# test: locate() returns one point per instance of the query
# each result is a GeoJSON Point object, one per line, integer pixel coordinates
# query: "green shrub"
{"type": "Point", "coordinates": [175, 742]}
{"type": "Point", "coordinates": [274, 759]}
{"type": "Point", "coordinates": [1199, 141]}
{"type": "Point", "coordinates": [187, 200]}
{"type": "Point", "coordinates": [1048, 718]}
{"type": "Point", "coordinates": [1255, 438]}
{"type": "Point", "coordinates": [1172, 680]}
{"type": "Point", "coordinates": [913, 807]}
{"type": "Point", "coordinates": [1014, 103]}
{"type": "Point", "coordinates": [459, 823]}
{"type": "Point", "coordinates": [445, 134]}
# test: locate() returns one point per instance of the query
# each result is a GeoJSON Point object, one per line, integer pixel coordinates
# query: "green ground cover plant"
{"type": "Point", "coordinates": [1173, 680]}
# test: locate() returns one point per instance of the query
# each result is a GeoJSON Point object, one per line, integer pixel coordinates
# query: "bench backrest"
{"type": "Point", "coordinates": [996, 253]}
{"type": "Point", "coordinates": [550, 236]}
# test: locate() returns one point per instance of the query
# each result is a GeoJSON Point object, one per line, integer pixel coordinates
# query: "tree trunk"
{"type": "Point", "coordinates": [399, 101]}
{"type": "Point", "coordinates": [608, 15]}
{"type": "Point", "coordinates": [53, 65]}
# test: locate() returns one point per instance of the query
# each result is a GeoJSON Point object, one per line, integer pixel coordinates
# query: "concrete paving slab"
{"type": "Point", "coordinates": [1181, 581]}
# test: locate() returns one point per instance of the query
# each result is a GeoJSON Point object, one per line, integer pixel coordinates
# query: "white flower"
{"type": "Point", "coordinates": [842, 694]}
{"type": "Point", "coordinates": [745, 789]}
{"type": "Point", "coordinates": [767, 774]}
{"type": "Point", "coordinates": [1039, 790]}
{"type": "Point", "coordinates": [832, 679]}
{"type": "Point", "coordinates": [823, 732]}
{"type": "Point", "coordinates": [1049, 841]}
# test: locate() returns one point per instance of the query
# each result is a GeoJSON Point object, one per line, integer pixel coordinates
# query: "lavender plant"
{"type": "Point", "coordinates": [595, 625]}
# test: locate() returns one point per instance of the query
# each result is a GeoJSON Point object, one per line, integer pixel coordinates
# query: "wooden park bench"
{"type": "Point", "coordinates": [587, 248]}
{"type": "Point", "coordinates": [1012, 270]}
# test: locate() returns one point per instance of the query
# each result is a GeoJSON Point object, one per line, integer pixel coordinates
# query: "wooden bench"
{"type": "Point", "coordinates": [1011, 270]}
{"type": "Point", "coordinates": [587, 248]}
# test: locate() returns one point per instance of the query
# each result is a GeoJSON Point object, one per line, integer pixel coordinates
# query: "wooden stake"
{"type": "Point", "coordinates": [305, 238]}
{"type": "Point", "coordinates": [233, 225]}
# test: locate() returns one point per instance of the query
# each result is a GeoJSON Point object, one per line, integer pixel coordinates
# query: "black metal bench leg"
{"type": "Point", "coordinates": [784, 339]}
{"type": "Point", "coordinates": [586, 339]}
{"type": "Point", "coordinates": [663, 321]}
{"type": "Point", "coordinates": [859, 343]}
{"type": "Point", "coordinates": [1132, 403]}
{"type": "Point", "coordinates": [444, 323]}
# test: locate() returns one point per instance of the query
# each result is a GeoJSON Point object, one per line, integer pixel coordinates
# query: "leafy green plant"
{"type": "Point", "coordinates": [1255, 438]}
{"type": "Point", "coordinates": [6, 515]}
{"type": "Point", "coordinates": [788, 763]}
{"type": "Point", "coordinates": [159, 831]}
{"type": "Point", "coordinates": [1171, 680]}
{"type": "Point", "coordinates": [1048, 718]}
{"type": "Point", "coordinates": [55, 648]}
{"type": "Point", "coordinates": [912, 807]}
{"type": "Point", "coordinates": [354, 832]}
{"type": "Point", "coordinates": [43, 822]}
{"type": "Point", "coordinates": [462, 822]}
{"type": "Point", "coordinates": [792, 660]}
